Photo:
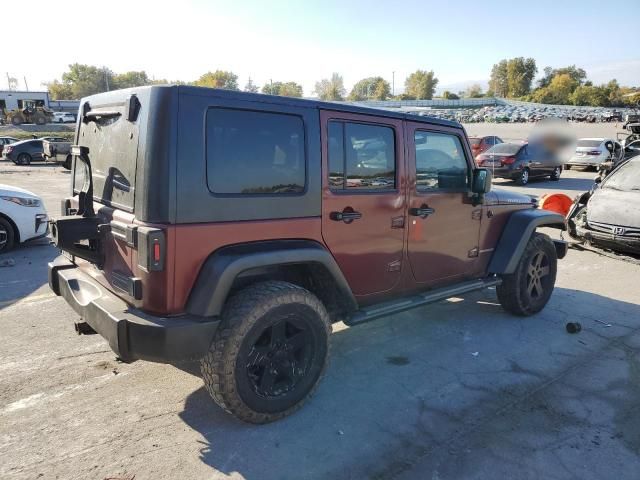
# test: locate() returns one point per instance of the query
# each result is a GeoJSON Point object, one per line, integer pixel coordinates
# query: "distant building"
{"type": "Point", "coordinates": [13, 100]}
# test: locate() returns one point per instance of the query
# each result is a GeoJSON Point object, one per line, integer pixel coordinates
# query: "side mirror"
{"type": "Point", "coordinates": [481, 182]}
{"type": "Point", "coordinates": [609, 146]}
{"type": "Point", "coordinates": [598, 179]}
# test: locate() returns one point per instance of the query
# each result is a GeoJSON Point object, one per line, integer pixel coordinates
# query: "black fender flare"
{"type": "Point", "coordinates": [223, 266]}
{"type": "Point", "coordinates": [516, 234]}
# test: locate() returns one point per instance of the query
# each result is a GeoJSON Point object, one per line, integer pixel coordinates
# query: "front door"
{"type": "Point", "coordinates": [363, 198]}
{"type": "Point", "coordinates": [444, 225]}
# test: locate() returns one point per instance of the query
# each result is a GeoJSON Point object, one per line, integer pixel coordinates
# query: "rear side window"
{"type": "Point", "coordinates": [250, 152]}
{"type": "Point", "coordinates": [361, 156]}
{"type": "Point", "coordinates": [440, 162]}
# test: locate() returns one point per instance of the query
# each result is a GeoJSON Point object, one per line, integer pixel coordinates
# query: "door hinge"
{"type": "Point", "coordinates": [476, 214]}
{"type": "Point", "coordinates": [473, 252]}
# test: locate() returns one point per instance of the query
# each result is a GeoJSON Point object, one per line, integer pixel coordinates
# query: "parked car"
{"type": "Point", "coordinates": [57, 151]}
{"type": "Point", "coordinates": [482, 144]}
{"type": "Point", "coordinates": [520, 162]}
{"type": "Point", "coordinates": [591, 152]}
{"type": "Point", "coordinates": [24, 152]}
{"type": "Point", "coordinates": [6, 141]}
{"type": "Point", "coordinates": [609, 215]}
{"type": "Point", "coordinates": [240, 230]}
{"type": "Point", "coordinates": [64, 117]}
{"type": "Point", "coordinates": [22, 217]}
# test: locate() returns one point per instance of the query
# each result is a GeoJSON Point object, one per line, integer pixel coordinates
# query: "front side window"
{"type": "Point", "coordinates": [361, 156]}
{"type": "Point", "coordinates": [251, 152]}
{"type": "Point", "coordinates": [440, 162]}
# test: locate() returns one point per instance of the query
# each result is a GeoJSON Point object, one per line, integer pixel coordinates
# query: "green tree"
{"type": "Point", "coordinates": [449, 95]}
{"type": "Point", "coordinates": [577, 74]}
{"type": "Point", "coordinates": [421, 85]}
{"type": "Point", "coordinates": [376, 88]}
{"type": "Point", "coordinates": [512, 78]}
{"type": "Point", "coordinates": [60, 91]}
{"type": "Point", "coordinates": [558, 92]}
{"type": "Point", "coordinates": [498, 81]}
{"type": "Point", "coordinates": [81, 81]}
{"type": "Point", "coordinates": [520, 73]}
{"type": "Point", "coordinates": [218, 79]}
{"type": "Point", "coordinates": [331, 88]}
{"type": "Point", "coordinates": [474, 91]}
{"type": "Point", "coordinates": [589, 95]}
{"type": "Point", "coordinates": [284, 89]}
{"type": "Point", "coordinates": [131, 79]}
{"type": "Point", "coordinates": [250, 86]}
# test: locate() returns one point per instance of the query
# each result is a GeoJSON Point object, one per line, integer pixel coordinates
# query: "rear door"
{"type": "Point", "coordinates": [443, 224]}
{"type": "Point", "coordinates": [363, 209]}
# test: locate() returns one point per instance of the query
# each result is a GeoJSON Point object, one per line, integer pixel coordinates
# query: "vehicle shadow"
{"type": "Point", "coordinates": [411, 387]}
{"type": "Point", "coordinates": [573, 184]}
{"type": "Point", "coordinates": [25, 270]}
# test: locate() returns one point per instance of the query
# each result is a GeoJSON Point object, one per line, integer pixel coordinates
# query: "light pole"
{"type": "Point", "coordinates": [393, 83]}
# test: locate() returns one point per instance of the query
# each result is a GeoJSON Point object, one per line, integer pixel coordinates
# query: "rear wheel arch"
{"type": "Point", "coordinates": [305, 263]}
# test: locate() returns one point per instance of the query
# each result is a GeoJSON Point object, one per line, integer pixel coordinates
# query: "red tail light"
{"type": "Point", "coordinates": [508, 160]}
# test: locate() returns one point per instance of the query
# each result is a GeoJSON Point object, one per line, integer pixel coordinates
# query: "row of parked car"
{"type": "Point", "coordinates": [529, 113]}
{"type": "Point", "coordinates": [47, 149]}
{"type": "Point", "coordinates": [524, 161]}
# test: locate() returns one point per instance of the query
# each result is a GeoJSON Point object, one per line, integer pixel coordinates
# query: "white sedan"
{"type": "Point", "coordinates": [591, 152]}
{"type": "Point", "coordinates": [22, 217]}
{"type": "Point", "coordinates": [64, 117]}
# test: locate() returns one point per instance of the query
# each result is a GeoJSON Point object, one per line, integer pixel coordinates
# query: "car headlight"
{"type": "Point", "coordinates": [23, 201]}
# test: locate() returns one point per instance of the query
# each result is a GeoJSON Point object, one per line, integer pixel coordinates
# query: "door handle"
{"type": "Point", "coordinates": [346, 216]}
{"type": "Point", "coordinates": [423, 212]}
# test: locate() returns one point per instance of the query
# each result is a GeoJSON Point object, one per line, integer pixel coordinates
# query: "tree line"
{"type": "Point", "coordinates": [513, 78]}
{"type": "Point", "coordinates": [510, 78]}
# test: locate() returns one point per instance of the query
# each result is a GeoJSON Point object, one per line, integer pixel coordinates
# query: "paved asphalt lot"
{"type": "Point", "coordinates": [458, 389]}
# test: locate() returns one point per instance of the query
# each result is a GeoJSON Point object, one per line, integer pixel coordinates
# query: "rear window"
{"type": "Point", "coordinates": [508, 148]}
{"type": "Point", "coordinates": [589, 143]}
{"type": "Point", "coordinates": [251, 152]}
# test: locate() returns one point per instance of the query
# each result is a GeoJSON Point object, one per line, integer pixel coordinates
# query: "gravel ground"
{"type": "Point", "coordinates": [458, 389]}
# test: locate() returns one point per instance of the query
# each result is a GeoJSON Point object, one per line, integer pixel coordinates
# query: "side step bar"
{"type": "Point", "coordinates": [395, 306]}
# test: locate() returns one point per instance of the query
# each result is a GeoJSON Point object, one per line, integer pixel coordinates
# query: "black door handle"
{"type": "Point", "coordinates": [346, 216]}
{"type": "Point", "coordinates": [424, 211]}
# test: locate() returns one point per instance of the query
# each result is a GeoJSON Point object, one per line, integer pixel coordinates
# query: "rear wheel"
{"type": "Point", "coordinates": [17, 119]}
{"type": "Point", "coordinates": [39, 120]}
{"type": "Point", "coordinates": [24, 159]}
{"type": "Point", "coordinates": [7, 235]}
{"type": "Point", "coordinates": [555, 175]}
{"type": "Point", "coordinates": [523, 178]}
{"type": "Point", "coordinates": [527, 290]}
{"type": "Point", "coordinates": [269, 352]}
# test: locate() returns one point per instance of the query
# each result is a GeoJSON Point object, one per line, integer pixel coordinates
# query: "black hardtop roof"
{"type": "Point", "coordinates": [302, 102]}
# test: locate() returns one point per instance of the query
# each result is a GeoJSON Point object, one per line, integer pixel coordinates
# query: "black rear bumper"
{"type": "Point", "coordinates": [131, 333]}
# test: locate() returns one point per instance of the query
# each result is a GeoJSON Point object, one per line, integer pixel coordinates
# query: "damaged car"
{"type": "Point", "coordinates": [608, 216]}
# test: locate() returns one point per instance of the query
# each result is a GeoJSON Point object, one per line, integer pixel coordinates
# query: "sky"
{"type": "Point", "coordinates": [304, 41]}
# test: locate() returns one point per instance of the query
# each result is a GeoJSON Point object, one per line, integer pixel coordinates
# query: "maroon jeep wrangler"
{"type": "Point", "coordinates": [235, 228]}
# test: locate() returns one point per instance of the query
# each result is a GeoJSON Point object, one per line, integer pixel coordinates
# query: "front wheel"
{"type": "Point", "coordinates": [269, 352]}
{"type": "Point", "coordinates": [24, 159]}
{"type": "Point", "coordinates": [555, 175]}
{"type": "Point", "coordinates": [527, 290]}
{"type": "Point", "coordinates": [523, 179]}
{"type": "Point", "coordinates": [7, 235]}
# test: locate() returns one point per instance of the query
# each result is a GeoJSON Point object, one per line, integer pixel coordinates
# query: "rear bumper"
{"type": "Point", "coordinates": [131, 333]}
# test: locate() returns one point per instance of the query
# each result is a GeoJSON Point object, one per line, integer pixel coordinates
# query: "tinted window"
{"type": "Point", "coordinates": [361, 157]}
{"type": "Point", "coordinates": [507, 148]}
{"type": "Point", "coordinates": [440, 162]}
{"type": "Point", "coordinates": [254, 152]}
{"type": "Point", "coordinates": [589, 143]}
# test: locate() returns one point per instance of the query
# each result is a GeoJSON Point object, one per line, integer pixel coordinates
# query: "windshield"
{"type": "Point", "coordinates": [589, 143]}
{"type": "Point", "coordinates": [625, 178]}
{"type": "Point", "coordinates": [505, 148]}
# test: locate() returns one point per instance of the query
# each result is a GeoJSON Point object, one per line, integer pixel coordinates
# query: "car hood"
{"type": "Point", "coordinates": [506, 197]}
{"type": "Point", "coordinates": [614, 207]}
{"type": "Point", "coordinates": [8, 190]}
